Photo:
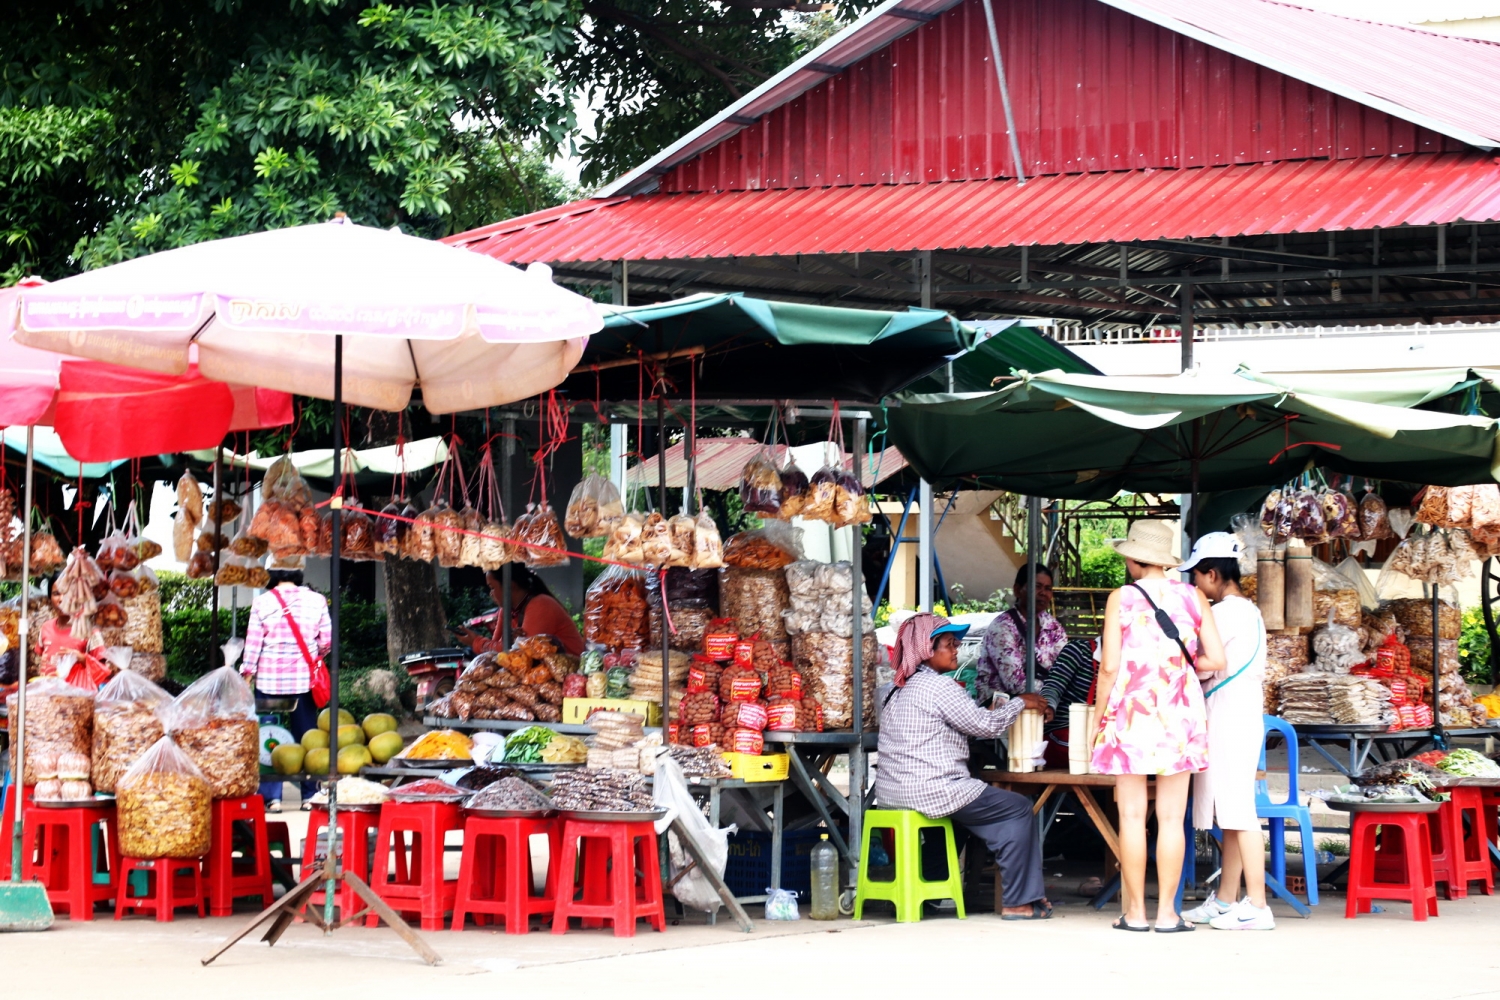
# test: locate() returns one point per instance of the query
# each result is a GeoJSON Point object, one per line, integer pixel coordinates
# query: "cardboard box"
{"type": "Point", "coordinates": [576, 711]}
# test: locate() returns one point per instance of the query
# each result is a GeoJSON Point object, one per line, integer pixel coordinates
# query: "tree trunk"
{"type": "Point", "coordinates": [415, 618]}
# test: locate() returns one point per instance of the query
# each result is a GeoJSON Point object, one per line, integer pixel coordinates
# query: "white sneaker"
{"type": "Point", "coordinates": [1208, 911]}
{"type": "Point", "coordinates": [1245, 916]}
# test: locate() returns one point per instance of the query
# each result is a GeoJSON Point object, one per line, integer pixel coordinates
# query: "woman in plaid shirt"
{"type": "Point", "coordinates": [273, 662]}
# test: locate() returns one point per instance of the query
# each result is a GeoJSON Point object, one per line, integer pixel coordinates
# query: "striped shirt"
{"type": "Point", "coordinates": [273, 660]}
{"type": "Point", "coordinates": [924, 743]}
{"type": "Point", "coordinates": [1071, 679]}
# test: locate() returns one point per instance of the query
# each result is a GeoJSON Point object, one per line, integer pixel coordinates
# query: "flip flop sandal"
{"type": "Point", "coordinates": [1039, 911]}
{"type": "Point", "coordinates": [1182, 928]}
{"type": "Point", "coordinates": [1123, 925]}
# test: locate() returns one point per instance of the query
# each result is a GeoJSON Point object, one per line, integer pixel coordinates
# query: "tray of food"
{"type": "Point", "coordinates": [1346, 805]}
{"type": "Point", "coordinates": [94, 803]}
{"type": "Point", "coordinates": [510, 813]}
{"type": "Point", "coordinates": [616, 815]}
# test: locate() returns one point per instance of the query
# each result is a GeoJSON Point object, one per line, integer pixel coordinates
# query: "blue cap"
{"type": "Point", "coordinates": [952, 628]}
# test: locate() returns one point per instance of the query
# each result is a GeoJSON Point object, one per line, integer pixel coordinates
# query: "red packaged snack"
{"type": "Point", "coordinates": [748, 741]}
{"type": "Point", "coordinates": [718, 643]}
{"type": "Point", "coordinates": [744, 652]}
{"type": "Point", "coordinates": [781, 715]}
{"type": "Point", "coordinates": [739, 683]}
{"type": "Point", "coordinates": [575, 686]}
{"type": "Point", "coordinates": [703, 735]}
{"type": "Point", "coordinates": [744, 715]}
{"type": "Point", "coordinates": [674, 733]}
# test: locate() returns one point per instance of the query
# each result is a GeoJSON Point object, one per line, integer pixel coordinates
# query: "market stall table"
{"type": "Point", "coordinates": [1364, 742]}
{"type": "Point", "coordinates": [808, 754]}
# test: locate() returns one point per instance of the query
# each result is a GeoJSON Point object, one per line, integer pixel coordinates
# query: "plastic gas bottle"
{"type": "Point", "coordinates": [825, 881]}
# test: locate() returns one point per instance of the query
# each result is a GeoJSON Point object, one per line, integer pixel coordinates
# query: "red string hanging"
{"type": "Point", "coordinates": [552, 431]}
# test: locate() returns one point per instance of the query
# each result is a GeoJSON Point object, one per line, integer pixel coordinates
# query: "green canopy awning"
{"type": "Point", "coordinates": [1401, 388]}
{"type": "Point", "coordinates": [1091, 436]}
{"type": "Point", "coordinates": [1001, 351]}
{"type": "Point", "coordinates": [741, 347]}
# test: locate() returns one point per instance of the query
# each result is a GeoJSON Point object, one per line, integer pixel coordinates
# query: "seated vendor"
{"type": "Point", "coordinates": [533, 611]}
{"type": "Point", "coordinates": [1002, 659]}
{"type": "Point", "coordinates": [926, 721]}
{"type": "Point", "coordinates": [1069, 682]}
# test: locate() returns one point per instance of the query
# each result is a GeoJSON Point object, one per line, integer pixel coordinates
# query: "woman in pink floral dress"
{"type": "Point", "coordinates": [1151, 716]}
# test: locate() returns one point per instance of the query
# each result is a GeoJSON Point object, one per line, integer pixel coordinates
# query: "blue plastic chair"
{"type": "Point", "coordinates": [1277, 813]}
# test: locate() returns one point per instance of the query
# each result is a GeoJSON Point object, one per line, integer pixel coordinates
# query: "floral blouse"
{"type": "Point", "coordinates": [1002, 660]}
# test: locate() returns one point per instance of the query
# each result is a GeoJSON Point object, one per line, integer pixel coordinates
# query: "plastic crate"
{"type": "Point", "coordinates": [759, 767]}
{"type": "Point", "coordinates": [748, 872]}
{"type": "Point", "coordinates": [576, 711]}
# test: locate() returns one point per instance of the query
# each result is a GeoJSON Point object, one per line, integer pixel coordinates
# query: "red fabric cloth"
{"type": "Point", "coordinates": [543, 615]}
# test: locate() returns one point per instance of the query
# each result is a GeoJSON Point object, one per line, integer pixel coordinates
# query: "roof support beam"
{"type": "Point", "coordinates": [1227, 252]}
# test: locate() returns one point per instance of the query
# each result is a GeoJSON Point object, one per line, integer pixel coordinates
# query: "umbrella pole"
{"type": "Point", "coordinates": [280, 914]}
{"type": "Point", "coordinates": [23, 907]}
{"type": "Point", "coordinates": [661, 485]}
{"type": "Point", "coordinates": [213, 599]}
{"type": "Point", "coordinates": [1439, 738]}
{"type": "Point", "coordinates": [506, 449]}
{"type": "Point", "coordinates": [331, 867]}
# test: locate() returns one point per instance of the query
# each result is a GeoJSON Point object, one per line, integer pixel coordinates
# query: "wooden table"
{"type": "Point", "coordinates": [1080, 785]}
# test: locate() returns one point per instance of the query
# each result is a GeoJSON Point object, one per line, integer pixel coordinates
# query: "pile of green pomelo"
{"type": "Point", "coordinates": [372, 741]}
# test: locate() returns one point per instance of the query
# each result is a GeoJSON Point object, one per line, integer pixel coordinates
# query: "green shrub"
{"type": "Point", "coordinates": [1474, 648]}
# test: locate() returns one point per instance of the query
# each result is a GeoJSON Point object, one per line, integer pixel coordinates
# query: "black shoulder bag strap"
{"type": "Point", "coordinates": [1166, 624]}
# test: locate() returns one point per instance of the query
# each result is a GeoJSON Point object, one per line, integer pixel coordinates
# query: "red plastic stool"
{"type": "Point", "coordinates": [1370, 867]}
{"type": "Point", "coordinates": [8, 822]}
{"type": "Point", "coordinates": [494, 879]}
{"type": "Point", "coordinates": [354, 831]}
{"type": "Point", "coordinates": [61, 856]}
{"type": "Point", "coordinates": [621, 876]}
{"type": "Point", "coordinates": [1458, 856]}
{"type": "Point", "coordinates": [170, 883]}
{"type": "Point", "coordinates": [418, 885]}
{"type": "Point", "coordinates": [228, 877]}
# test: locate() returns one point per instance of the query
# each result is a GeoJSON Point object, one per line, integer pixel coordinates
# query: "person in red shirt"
{"type": "Point", "coordinates": [533, 611]}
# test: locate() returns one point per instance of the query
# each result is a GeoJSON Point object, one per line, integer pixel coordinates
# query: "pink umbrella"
{"type": "Point", "coordinates": [104, 412]}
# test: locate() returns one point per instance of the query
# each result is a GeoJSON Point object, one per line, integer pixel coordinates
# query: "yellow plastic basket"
{"type": "Point", "coordinates": [767, 767]}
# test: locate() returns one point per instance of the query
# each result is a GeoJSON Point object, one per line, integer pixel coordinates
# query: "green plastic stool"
{"type": "Point", "coordinates": [909, 890]}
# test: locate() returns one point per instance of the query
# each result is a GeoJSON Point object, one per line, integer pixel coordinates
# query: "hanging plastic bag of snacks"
{"type": "Point", "coordinates": [1484, 523]}
{"type": "Point", "coordinates": [1374, 520]}
{"type": "Point", "coordinates": [849, 506]}
{"type": "Point", "coordinates": [1460, 507]}
{"type": "Point", "coordinates": [1434, 509]}
{"type": "Point", "coordinates": [682, 535]}
{"type": "Point", "coordinates": [794, 487]}
{"type": "Point", "coordinates": [1308, 520]}
{"type": "Point", "coordinates": [190, 498]}
{"type": "Point", "coordinates": [656, 541]}
{"type": "Point", "coordinates": [548, 547]}
{"type": "Point", "coordinates": [46, 554]}
{"type": "Point", "coordinates": [625, 542]}
{"type": "Point", "coordinates": [247, 545]}
{"type": "Point", "coordinates": [447, 542]}
{"type": "Point", "coordinates": [1341, 515]}
{"type": "Point", "coordinates": [358, 541]}
{"type": "Point", "coordinates": [708, 550]}
{"type": "Point", "coordinates": [389, 530]}
{"type": "Point", "coordinates": [418, 544]}
{"type": "Point", "coordinates": [760, 485]}
{"type": "Point", "coordinates": [593, 508]}
{"type": "Point", "coordinates": [771, 547]}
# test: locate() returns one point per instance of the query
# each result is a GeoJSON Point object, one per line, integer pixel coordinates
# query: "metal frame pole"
{"type": "Point", "coordinates": [1033, 543]}
{"type": "Point", "coordinates": [213, 604]}
{"type": "Point", "coordinates": [1439, 738]}
{"type": "Point", "coordinates": [924, 546]}
{"type": "Point", "coordinates": [331, 867]}
{"type": "Point", "coordinates": [18, 768]}
{"type": "Point", "coordinates": [661, 486]}
{"type": "Point", "coordinates": [857, 760]}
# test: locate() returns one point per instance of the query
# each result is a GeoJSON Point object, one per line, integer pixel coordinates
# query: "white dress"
{"type": "Point", "coordinates": [1226, 790]}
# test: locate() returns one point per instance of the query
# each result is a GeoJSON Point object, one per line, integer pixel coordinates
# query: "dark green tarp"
{"type": "Point", "coordinates": [747, 348]}
{"type": "Point", "coordinates": [1089, 437]}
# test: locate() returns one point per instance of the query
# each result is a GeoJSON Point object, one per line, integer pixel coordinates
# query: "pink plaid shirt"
{"type": "Point", "coordinates": [273, 660]}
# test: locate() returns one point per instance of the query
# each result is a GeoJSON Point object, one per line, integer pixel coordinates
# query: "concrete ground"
{"type": "Point", "coordinates": [1376, 956]}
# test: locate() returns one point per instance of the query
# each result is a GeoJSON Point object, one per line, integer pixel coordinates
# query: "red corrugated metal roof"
{"type": "Point", "coordinates": [721, 460]}
{"type": "Point", "coordinates": [1444, 82]}
{"type": "Point", "coordinates": [1284, 197]}
{"type": "Point", "coordinates": [1093, 89]}
{"type": "Point", "coordinates": [1441, 82]}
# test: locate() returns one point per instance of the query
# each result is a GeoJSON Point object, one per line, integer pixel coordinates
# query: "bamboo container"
{"type": "Point", "coordinates": [1025, 734]}
{"type": "Point", "coordinates": [1270, 593]}
{"type": "Point", "coordinates": [1299, 586]}
{"type": "Point", "coordinates": [1079, 750]}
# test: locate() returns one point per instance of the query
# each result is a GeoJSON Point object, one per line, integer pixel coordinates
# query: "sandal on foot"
{"type": "Point", "coordinates": [1040, 910]}
{"type": "Point", "coordinates": [1124, 925]}
{"type": "Point", "coordinates": [1182, 928]}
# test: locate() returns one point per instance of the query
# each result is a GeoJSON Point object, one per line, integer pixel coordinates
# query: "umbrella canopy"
{"type": "Point", "coordinates": [469, 330]}
{"type": "Point", "coordinates": [749, 348]}
{"type": "Point", "coordinates": [1088, 437]}
{"type": "Point", "coordinates": [1004, 347]}
{"type": "Point", "coordinates": [103, 412]}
